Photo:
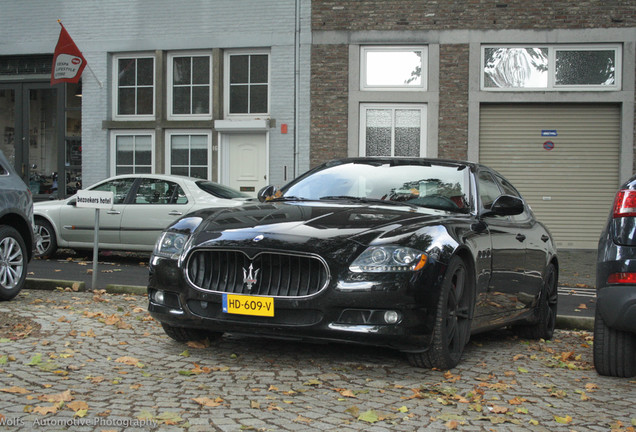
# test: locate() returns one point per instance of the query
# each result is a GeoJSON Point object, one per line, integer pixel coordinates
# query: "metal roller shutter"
{"type": "Point", "coordinates": [570, 187]}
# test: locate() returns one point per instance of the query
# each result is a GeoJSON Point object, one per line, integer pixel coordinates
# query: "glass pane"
{"type": "Point", "coordinates": [516, 67]}
{"type": "Point", "coordinates": [143, 150]}
{"type": "Point", "coordinates": [394, 68]}
{"type": "Point", "coordinates": [201, 70]}
{"type": "Point", "coordinates": [145, 71]}
{"type": "Point", "coordinates": [126, 72]}
{"type": "Point", "coordinates": [143, 170]}
{"type": "Point", "coordinates": [258, 99]}
{"type": "Point", "coordinates": [181, 70]}
{"type": "Point", "coordinates": [123, 170]}
{"type": "Point", "coordinates": [42, 141]}
{"type": "Point", "coordinates": [181, 100]}
{"type": "Point", "coordinates": [239, 69]}
{"type": "Point", "coordinates": [258, 69]}
{"type": "Point", "coordinates": [184, 171]}
{"type": "Point", "coordinates": [126, 101]}
{"type": "Point", "coordinates": [199, 172]}
{"type": "Point", "coordinates": [124, 145]}
{"type": "Point", "coordinates": [180, 150]}
{"type": "Point", "coordinates": [201, 100]}
{"type": "Point", "coordinates": [7, 113]}
{"type": "Point", "coordinates": [238, 99]}
{"type": "Point", "coordinates": [378, 132]}
{"type": "Point", "coordinates": [585, 67]}
{"type": "Point", "coordinates": [144, 101]}
{"type": "Point", "coordinates": [407, 133]}
{"type": "Point", "coordinates": [199, 152]}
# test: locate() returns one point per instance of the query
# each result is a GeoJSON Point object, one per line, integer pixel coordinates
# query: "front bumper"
{"type": "Point", "coordinates": [617, 306]}
{"type": "Point", "coordinates": [353, 312]}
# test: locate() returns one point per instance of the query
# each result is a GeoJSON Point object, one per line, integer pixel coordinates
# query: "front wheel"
{"type": "Point", "coordinates": [452, 320]}
{"type": "Point", "coordinates": [13, 262]}
{"type": "Point", "coordinates": [614, 350]}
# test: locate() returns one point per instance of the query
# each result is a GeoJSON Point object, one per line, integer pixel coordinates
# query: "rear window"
{"type": "Point", "coordinates": [220, 191]}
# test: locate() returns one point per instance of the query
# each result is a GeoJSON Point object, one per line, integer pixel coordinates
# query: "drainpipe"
{"type": "Point", "coordinates": [296, 86]}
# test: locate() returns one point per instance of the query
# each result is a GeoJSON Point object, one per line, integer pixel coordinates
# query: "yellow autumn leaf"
{"type": "Point", "coordinates": [208, 402]}
{"type": "Point", "coordinates": [563, 420]}
{"type": "Point", "coordinates": [14, 389]}
{"type": "Point", "coordinates": [57, 397]}
{"type": "Point", "coordinates": [78, 406]}
{"type": "Point", "coordinates": [45, 410]}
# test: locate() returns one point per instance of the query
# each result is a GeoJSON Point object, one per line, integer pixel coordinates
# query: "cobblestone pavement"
{"type": "Point", "coordinates": [87, 361]}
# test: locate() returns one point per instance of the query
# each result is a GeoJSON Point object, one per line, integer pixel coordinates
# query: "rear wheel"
{"type": "Point", "coordinates": [47, 234]}
{"type": "Point", "coordinates": [546, 309]}
{"type": "Point", "coordinates": [13, 262]}
{"type": "Point", "coordinates": [452, 320]}
{"type": "Point", "coordinates": [614, 350]}
{"type": "Point", "coordinates": [183, 334]}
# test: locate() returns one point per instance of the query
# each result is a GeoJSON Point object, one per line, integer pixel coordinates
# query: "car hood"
{"type": "Point", "coordinates": [311, 225]}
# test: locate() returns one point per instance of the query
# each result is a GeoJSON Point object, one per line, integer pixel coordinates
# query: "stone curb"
{"type": "Point", "coordinates": [563, 321]}
{"type": "Point", "coordinates": [53, 285]}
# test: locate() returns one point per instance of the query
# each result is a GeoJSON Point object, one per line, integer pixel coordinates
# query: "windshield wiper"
{"type": "Point", "coordinates": [289, 198]}
{"type": "Point", "coordinates": [367, 200]}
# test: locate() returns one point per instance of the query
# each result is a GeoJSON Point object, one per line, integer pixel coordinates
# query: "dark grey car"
{"type": "Point", "coordinates": [615, 322]}
{"type": "Point", "coordinates": [16, 230]}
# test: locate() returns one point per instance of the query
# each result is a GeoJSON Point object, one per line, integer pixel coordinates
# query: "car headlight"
{"type": "Point", "coordinates": [378, 259]}
{"type": "Point", "coordinates": [170, 244]}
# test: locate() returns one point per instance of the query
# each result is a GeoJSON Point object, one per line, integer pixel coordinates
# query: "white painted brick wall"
{"type": "Point", "coordinates": [103, 27]}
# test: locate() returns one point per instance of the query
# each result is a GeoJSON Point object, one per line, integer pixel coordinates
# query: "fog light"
{"type": "Point", "coordinates": [391, 317]}
{"type": "Point", "coordinates": [159, 297]}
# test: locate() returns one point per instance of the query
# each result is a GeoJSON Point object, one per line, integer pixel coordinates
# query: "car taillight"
{"type": "Point", "coordinates": [625, 203]}
{"type": "Point", "coordinates": [622, 278]}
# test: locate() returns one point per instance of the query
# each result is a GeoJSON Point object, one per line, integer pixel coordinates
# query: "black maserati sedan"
{"type": "Point", "coordinates": [411, 254]}
{"type": "Point", "coordinates": [615, 319]}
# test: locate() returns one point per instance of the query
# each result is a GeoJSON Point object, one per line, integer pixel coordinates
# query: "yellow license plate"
{"type": "Point", "coordinates": [248, 305]}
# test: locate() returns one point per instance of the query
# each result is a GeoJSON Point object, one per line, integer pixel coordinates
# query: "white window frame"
{"type": "Point", "coordinates": [552, 86]}
{"type": "Point", "coordinates": [423, 86]}
{"type": "Point", "coordinates": [136, 133]}
{"type": "Point", "coordinates": [115, 86]}
{"type": "Point", "coordinates": [394, 106]}
{"type": "Point", "coordinates": [170, 86]}
{"type": "Point", "coordinates": [226, 82]}
{"type": "Point", "coordinates": [190, 132]}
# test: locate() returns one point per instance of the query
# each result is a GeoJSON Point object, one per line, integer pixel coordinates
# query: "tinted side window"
{"type": "Point", "coordinates": [154, 191]}
{"type": "Point", "coordinates": [119, 187]}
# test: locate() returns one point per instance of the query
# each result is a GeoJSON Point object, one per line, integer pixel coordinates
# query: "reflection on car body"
{"type": "Point", "coordinates": [412, 254]}
{"type": "Point", "coordinates": [143, 205]}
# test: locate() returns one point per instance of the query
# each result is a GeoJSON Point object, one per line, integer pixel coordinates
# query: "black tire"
{"type": "Point", "coordinates": [614, 350]}
{"type": "Point", "coordinates": [184, 334]}
{"type": "Point", "coordinates": [453, 319]}
{"type": "Point", "coordinates": [49, 240]}
{"type": "Point", "coordinates": [546, 309]}
{"type": "Point", "coordinates": [13, 262]}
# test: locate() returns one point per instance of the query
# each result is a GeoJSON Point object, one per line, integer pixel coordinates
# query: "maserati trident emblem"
{"type": "Point", "coordinates": [249, 277]}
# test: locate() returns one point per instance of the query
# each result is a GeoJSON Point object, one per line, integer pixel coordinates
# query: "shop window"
{"type": "Point", "coordinates": [393, 130]}
{"type": "Point", "coordinates": [527, 68]}
{"type": "Point", "coordinates": [189, 154]}
{"type": "Point", "coordinates": [247, 83]}
{"type": "Point", "coordinates": [394, 68]}
{"type": "Point", "coordinates": [134, 87]}
{"type": "Point", "coordinates": [190, 86]}
{"type": "Point", "coordinates": [132, 152]}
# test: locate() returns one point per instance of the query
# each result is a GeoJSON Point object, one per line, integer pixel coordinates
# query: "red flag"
{"type": "Point", "coordinates": [68, 61]}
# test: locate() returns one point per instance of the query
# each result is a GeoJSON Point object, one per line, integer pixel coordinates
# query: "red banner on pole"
{"type": "Point", "coordinates": [68, 61]}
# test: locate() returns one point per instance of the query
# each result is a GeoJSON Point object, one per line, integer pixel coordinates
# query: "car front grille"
{"type": "Point", "coordinates": [268, 273]}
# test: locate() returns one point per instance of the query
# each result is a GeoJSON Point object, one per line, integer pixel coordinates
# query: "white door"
{"type": "Point", "coordinates": [246, 162]}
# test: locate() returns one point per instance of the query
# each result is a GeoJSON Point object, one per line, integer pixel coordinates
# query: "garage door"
{"type": "Point", "coordinates": [563, 158]}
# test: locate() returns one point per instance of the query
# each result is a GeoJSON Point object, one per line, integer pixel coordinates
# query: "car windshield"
{"type": "Point", "coordinates": [220, 191]}
{"type": "Point", "coordinates": [442, 187]}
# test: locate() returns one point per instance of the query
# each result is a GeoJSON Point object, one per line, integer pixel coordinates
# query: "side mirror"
{"type": "Point", "coordinates": [266, 193]}
{"type": "Point", "coordinates": [507, 205]}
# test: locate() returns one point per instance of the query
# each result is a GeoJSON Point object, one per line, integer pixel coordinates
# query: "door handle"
{"type": "Point", "coordinates": [113, 212]}
{"type": "Point", "coordinates": [520, 237]}
{"type": "Point", "coordinates": [545, 238]}
{"type": "Point", "coordinates": [175, 213]}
